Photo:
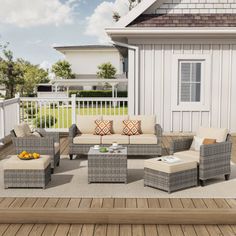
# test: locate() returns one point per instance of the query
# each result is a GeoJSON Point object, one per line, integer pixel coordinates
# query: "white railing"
{"type": "Point", "coordinates": [60, 113]}
{"type": "Point", "coordinates": [9, 116]}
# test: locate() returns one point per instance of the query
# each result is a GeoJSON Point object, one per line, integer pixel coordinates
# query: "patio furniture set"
{"type": "Point", "coordinates": [203, 157]}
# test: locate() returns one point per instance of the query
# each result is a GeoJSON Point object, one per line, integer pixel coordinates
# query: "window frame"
{"type": "Point", "coordinates": [180, 82]}
{"type": "Point", "coordinates": [204, 104]}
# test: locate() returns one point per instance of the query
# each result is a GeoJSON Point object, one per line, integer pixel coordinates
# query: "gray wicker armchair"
{"type": "Point", "coordinates": [214, 159]}
{"type": "Point", "coordinates": [49, 144]}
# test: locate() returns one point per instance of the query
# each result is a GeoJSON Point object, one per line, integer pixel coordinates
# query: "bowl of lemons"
{"type": "Point", "coordinates": [28, 156]}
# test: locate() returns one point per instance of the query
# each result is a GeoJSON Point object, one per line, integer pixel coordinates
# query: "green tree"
{"type": "Point", "coordinates": [11, 74]}
{"type": "Point", "coordinates": [32, 75]}
{"type": "Point", "coordinates": [62, 69]}
{"type": "Point", "coordinates": [106, 71]}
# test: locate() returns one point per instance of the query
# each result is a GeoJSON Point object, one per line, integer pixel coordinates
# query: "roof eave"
{"type": "Point", "coordinates": [172, 32]}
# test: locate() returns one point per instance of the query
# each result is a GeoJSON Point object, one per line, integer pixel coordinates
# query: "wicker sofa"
{"type": "Point", "coordinates": [213, 159]}
{"type": "Point", "coordinates": [81, 135]}
{"type": "Point", "coordinates": [48, 144]}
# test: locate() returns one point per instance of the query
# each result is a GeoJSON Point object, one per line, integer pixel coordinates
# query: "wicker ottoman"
{"type": "Point", "coordinates": [107, 167]}
{"type": "Point", "coordinates": [27, 173]}
{"type": "Point", "coordinates": [170, 177]}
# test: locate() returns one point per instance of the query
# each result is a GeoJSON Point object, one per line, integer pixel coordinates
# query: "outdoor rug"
{"type": "Point", "coordinates": [71, 180]}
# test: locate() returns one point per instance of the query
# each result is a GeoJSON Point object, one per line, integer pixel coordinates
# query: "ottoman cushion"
{"type": "Point", "coordinates": [182, 165]}
{"type": "Point", "coordinates": [14, 163]}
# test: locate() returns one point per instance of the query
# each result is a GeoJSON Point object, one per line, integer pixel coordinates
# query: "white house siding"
{"type": "Point", "coordinates": [193, 6]}
{"type": "Point", "coordinates": [86, 62]}
{"type": "Point", "coordinates": [156, 83]}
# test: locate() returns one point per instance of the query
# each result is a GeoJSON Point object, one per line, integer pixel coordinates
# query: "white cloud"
{"type": "Point", "coordinates": [102, 18]}
{"type": "Point", "coordinates": [26, 13]}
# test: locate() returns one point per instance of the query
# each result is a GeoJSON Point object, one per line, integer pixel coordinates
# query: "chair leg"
{"type": "Point", "coordinates": [202, 182]}
{"type": "Point", "coordinates": [71, 156]}
{"type": "Point", "coordinates": [227, 177]}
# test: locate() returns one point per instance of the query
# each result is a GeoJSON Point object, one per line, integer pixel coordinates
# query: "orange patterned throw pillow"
{"type": "Point", "coordinates": [103, 127]}
{"type": "Point", "coordinates": [132, 127]}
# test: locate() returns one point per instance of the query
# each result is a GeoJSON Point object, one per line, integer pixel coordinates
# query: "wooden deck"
{"type": "Point", "coordinates": [108, 216]}
{"type": "Point", "coordinates": [115, 229]}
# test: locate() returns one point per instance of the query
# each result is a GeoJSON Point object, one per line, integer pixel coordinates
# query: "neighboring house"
{"type": "Point", "coordinates": [85, 60]}
{"type": "Point", "coordinates": [182, 62]}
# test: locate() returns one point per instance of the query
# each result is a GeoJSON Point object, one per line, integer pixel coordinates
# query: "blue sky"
{"type": "Point", "coordinates": [33, 28]}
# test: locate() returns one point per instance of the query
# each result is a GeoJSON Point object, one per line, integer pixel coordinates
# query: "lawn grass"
{"type": "Point", "coordinates": [63, 115]}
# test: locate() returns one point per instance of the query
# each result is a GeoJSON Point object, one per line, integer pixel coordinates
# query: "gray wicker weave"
{"type": "Point", "coordinates": [132, 149]}
{"type": "Point", "coordinates": [43, 145]}
{"type": "Point", "coordinates": [214, 158]}
{"type": "Point", "coordinates": [170, 182]}
{"type": "Point", "coordinates": [107, 167]}
{"type": "Point", "coordinates": [27, 178]}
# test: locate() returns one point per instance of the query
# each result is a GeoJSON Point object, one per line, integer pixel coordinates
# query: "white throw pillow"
{"type": "Point", "coordinates": [197, 142]}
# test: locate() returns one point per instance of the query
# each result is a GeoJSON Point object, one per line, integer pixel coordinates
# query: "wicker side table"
{"type": "Point", "coordinates": [107, 167]}
{"type": "Point", "coordinates": [170, 177]}
{"type": "Point", "coordinates": [27, 173]}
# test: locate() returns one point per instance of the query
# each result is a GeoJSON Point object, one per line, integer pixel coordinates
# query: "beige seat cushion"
{"type": "Point", "coordinates": [143, 139]}
{"type": "Point", "coordinates": [188, 155]}
{"type": "Point", "coordinates": [86, 124]}
{"type": "Point", "coordinates": [22, 130]}
{"type": "Point", "coordinates": [154, 164]}
{"type": "Point", "coordinates": [117, 123]}
{"type": "Point", "coordinates": [14, 163]}
{"type": "Point", "coordinates": [213, 133]}
{"type": "Point", "coordinates": [56, 147]}
{"type": "Point", "coordinates": [119, 138]}
{"type": "Point", "coordinates": [87, 139]}
{"type": "Point", "coordinates": [147, 123]}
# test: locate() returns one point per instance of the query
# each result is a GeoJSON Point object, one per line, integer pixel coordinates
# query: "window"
{"type": "Point", "coordinates": [190, 78]}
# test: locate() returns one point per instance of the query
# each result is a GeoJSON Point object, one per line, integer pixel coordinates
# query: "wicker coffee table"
{"type": "Point", "coordinates": [107, 167]}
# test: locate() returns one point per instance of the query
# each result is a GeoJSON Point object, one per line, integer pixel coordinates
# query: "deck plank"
{"type": "Point", "coordinates": [25, 230]}
{"type": "Point", "coordinates": [87, 230]}
{"type": "Point", "coordinates": [74, 203]}
{"type": "Point", "coordinates": [113, 230]}
{"type": "Point", "coordinates": [75, 230]}
{"type": "Point", "coordinates": [138, 230]}
{"type": "Point", "coordinates": [62, 230]}
{"type": "Point", "coordinates": [150, 230]}
{"type": "Point", "coordinates": [163, 230]}
{"type": "Point", "coordinates": [188, 230]}
{"type": "Point", "coordinates": [153, 203]}
{"type": "Point", "coordinates": [126, 230]}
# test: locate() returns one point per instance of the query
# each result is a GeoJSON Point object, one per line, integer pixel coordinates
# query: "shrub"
{"type": "Point", "coordinates": [31, 111]}
{"type": "Point", "coordinates": [98, 93]}
{"type": "Point", "coordinates": [45, 121]}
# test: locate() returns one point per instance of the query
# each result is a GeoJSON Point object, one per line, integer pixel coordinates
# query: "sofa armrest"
{"type": "Point", "coordinates": [54, 135]}
{"type": "Point", "coordinates": [179, 145]}
{"type": "Point", "coordinates": [73, 131]}
{"type": "Point", "coordinates": [215, 149]}
{"type": "Point", "coordinates": [158, 133]}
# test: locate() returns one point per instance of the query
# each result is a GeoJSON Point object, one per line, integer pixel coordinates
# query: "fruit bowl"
{"type": "Point", "coordinates": [28, 156]}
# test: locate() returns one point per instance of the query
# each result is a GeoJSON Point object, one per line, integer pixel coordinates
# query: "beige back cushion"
{"type": "Point", "coordinates": [213, 133]}
{"type": "Point", "coordinates": [22, 130]}
{"type": "Point", "coordinates": [86, 124]}
{"type": "Point", "coordinates": [147, 123]}
{"type": "Point", "coordinates": [117, 123]}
